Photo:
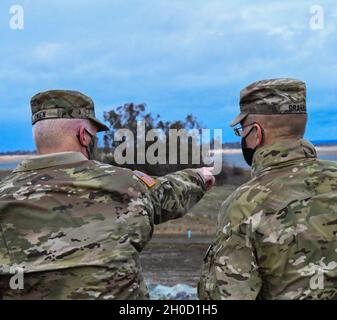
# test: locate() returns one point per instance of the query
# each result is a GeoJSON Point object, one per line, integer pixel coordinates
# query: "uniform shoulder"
{"type": "Point", "coordinates": [104, 170]}
{"type": "Point", "coordinates": [327, 165]}
{"type": "Point", "coordinates": [120, 175]}
{"type": "Point", "coordinates": [240, 203]}
{"type": "Point", "coordinates": [276, 189]}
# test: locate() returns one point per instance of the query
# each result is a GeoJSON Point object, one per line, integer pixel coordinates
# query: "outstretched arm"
{"type": "Point", "coordinates": [176, 193]}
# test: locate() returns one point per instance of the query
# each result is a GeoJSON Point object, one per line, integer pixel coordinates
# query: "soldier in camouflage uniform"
{"type": "Point", "coordinates": [276, 236]}
{"type": "Point", "coordinates": [77, 226]}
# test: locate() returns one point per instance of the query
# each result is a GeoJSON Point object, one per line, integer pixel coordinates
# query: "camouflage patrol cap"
{"type": "Point", "coordinates": [274, 96]}
{"type": "Point", "coordinates": [64, 104]}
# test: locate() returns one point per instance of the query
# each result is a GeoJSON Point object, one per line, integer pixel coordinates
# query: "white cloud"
{"type": "Point", "coordinates": [176, 53]}
{"type": "Point", "coordinates": [49, 52]}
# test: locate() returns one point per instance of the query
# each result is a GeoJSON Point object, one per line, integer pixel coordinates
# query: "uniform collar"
{"type": "Point", "coordinates": [280, 153]}
{"type": "Point", "coordinates": [49, 160]}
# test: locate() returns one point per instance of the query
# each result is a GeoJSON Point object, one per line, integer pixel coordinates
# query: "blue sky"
{"type": "Point", "coordinates": [177, 56]}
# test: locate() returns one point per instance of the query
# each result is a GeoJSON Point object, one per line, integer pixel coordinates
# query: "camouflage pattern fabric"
{"type": "Point", "coordinates": [276, 236]}
{"type": "Point", "coordinates": [274, 96]}
{"type": "Point", "coordinates": [64, 104]}
{"type": "Point", "coordinates": [77, 227]}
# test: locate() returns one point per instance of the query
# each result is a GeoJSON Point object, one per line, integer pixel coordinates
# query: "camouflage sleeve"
{"type": "Point", "coordinates": [236, 273]}
{"type": "Point", "coordinates": [176, 193]}
{"type": "Point", "coordinates": [230, 270]}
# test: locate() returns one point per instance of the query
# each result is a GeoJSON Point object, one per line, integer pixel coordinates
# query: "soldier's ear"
{"type": "Point", "coordinates": [81, 135]}
{"type": "Point", "coordinates": [259, 134]}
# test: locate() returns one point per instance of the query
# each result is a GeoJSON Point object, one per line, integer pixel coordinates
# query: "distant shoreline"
{"type": "Point", "coordinates": [14, 158]}
{"type": "Point", "coordinates": [327, 150]}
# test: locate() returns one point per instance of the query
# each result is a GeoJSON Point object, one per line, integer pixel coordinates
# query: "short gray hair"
{"type": "Point", "coordinates": [282, 125]}
{"type": "Point", "coordinates": [53, 133]}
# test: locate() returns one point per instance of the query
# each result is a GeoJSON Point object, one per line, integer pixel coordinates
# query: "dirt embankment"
{"type": "Point", "coordinates": [170, 260]}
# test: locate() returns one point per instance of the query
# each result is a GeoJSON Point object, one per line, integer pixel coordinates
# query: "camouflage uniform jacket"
{"type": "Point", "coordinates": [276, 236]}
{"type": "Point", "coordinates": [76, 227]}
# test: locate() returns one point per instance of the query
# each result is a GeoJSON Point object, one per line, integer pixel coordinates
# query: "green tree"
{"type": "Point", "coordinates": [126, 117]}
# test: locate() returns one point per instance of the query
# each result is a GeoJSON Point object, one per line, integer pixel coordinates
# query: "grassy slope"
{"type": "Point", "coordinates": [203, 217]}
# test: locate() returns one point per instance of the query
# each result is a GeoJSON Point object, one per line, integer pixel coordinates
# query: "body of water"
{"type": "Point", "coordinates": [8, 165]}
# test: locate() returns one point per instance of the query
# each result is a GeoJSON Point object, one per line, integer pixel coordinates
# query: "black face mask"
{"type": "Point", "coordinates": [248, 153]}
{"type": "Point", "coordinates": [92, 146]}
